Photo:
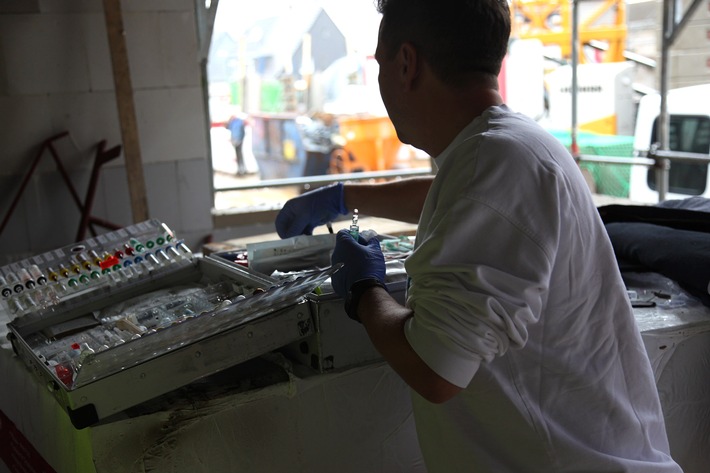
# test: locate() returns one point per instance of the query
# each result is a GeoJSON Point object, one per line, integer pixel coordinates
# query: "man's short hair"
{"type": "Point", "coordinates": [458, 38]}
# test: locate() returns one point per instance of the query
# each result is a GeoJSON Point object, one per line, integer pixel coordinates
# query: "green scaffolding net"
{"type": "Point", "coordinates": [609, 178]}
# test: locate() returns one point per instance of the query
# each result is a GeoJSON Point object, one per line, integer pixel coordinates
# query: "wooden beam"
{"type": "Point", "coordinates": [126, 109]}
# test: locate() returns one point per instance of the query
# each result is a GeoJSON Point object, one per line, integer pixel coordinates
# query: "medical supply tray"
{"type": "Point", "coordinates": [118, 319]}
{"type": "Point", "coordinates": [337, 342]}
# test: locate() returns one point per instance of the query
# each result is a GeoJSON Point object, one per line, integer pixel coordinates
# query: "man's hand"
{"type": "Point", "coordinates": [300, 215]}
{"type": "Point", "coordinates": [362, 260]}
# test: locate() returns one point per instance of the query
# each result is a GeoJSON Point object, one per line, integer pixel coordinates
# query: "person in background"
{"type": "Point", "coordinates": [237, 129]}
{"type": "Point", "coordinates": [318, 134]}
{"type": "Point", "coordinates": [517, 337]}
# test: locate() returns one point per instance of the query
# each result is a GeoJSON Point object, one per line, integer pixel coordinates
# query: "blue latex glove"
{"type": "Point", "coordinates": [300, 215]}
{"type": "Point", "coordinates": [362, 259]}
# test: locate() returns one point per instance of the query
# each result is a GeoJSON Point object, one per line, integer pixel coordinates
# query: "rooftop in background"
{"type": "Point", "coordinates": [357, 19]}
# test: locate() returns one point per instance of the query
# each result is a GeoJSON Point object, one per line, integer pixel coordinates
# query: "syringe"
{"type": "Point", "coordinates": [354, 227]}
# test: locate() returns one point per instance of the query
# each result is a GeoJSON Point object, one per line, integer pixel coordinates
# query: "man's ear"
{"type": "Point", "coordinates": [409, 64]}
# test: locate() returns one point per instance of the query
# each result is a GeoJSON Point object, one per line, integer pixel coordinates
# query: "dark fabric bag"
{"type": "Point", "coordinates": [681, 255]}
{"type": "Point", "coordinates": [672, 217]}
{"type": "Point", "coordinates": [672, 239]}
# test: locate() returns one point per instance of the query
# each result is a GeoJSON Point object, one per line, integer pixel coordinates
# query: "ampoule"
{"type": "Point", "coordinates": [95, 257]}
{"type": "Point", "coordinates": [37, 274]}
{"type": "Point", "coordinates": [26, 278]}
{"type": "Point", "coordinates": [14, 281]}
{"type": "Point", "coordinates": [84, 261]}
{"type": "Point", "coordinates": [354, 227]}
{"type": "Point", "coordinates": [4, 287]}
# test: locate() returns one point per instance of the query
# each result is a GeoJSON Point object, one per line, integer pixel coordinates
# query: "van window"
{"type": "Point", "coordinates": [690, 134]}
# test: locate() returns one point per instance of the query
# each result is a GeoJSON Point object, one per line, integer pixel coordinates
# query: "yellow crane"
{"type": "Point", "coordinates": [602, 21]}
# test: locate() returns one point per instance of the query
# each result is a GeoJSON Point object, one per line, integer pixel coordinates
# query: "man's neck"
{"type": "Point", "coordinates": [454, 111]}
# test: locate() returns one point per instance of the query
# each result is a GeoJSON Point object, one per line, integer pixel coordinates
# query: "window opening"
{"type": "Point", "coordinates": [293, 89]}
{"type": "Point", "coordinates": [689, 134]}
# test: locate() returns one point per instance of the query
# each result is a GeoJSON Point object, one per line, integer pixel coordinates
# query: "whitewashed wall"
{"type": "Point", "coordinates": [56, 75]}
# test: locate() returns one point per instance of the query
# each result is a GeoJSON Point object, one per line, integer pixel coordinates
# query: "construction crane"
{"type": "Point", "coordinates": [602, 26]}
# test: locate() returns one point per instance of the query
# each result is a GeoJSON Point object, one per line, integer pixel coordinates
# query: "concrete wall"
{"type": "Point", "coordinates": [690, 54]}
{"type": "Point", "coordinates": [56, 75]}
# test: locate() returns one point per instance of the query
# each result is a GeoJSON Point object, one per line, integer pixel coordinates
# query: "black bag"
{"type": "Point", "coordinates": [672, 241]}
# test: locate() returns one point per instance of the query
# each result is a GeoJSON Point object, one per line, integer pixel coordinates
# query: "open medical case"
{"type": "Point", "coordinates": [337, 343]}
{"type": "Point", "coordinates": [123, 317]}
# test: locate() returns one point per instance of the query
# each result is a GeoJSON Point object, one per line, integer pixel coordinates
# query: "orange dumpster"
{"type": "Point", "coordinates": [371, 140]}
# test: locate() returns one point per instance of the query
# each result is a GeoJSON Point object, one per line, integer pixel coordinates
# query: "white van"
{"type": "Point", "coordinates": [689, 130]}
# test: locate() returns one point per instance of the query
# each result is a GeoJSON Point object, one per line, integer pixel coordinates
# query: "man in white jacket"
{"type": "Point", "coordinates": [517, 337]}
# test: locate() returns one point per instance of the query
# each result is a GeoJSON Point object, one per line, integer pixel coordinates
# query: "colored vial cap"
{"type": "Point", "coordinates": [64, 373]}
{"type": "Point", "coordinates": [95, 257]}
{"type": "Point", "coordinates": [85, 263]}
{"type": "Point", "coordinates": [63, 270]}
{"type": "Point", "coordinates": [53, 275]}
{"type": "Point", "coordinates": [162, 255]}
{"type": "Point", "coordinates": [109, 262]}
{"type": "Point", "coordinates": [37, 275]}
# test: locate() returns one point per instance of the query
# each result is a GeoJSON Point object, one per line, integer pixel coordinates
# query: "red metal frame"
{"type": "Point", "coordinates": [87, 221]}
